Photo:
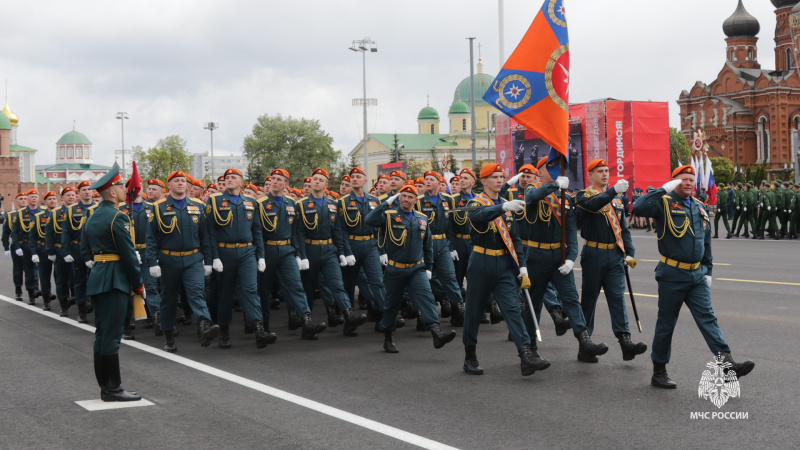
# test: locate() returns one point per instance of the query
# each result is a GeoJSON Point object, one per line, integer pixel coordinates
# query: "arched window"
{"type": "Point", "coordinates": [750, 55]}
{"type": "Point", "coordinates": [730, 58]}
{"type": "Point", "coordinates": [789, 62]}
{"type": "Point", "coordinates": [61, 153]}
{"type": "Point", "coordinates": [432, 129]}
{"type": "Point", "coordinates": [79, 152]}
{"type": "Point", "coordinates": [69, 152]}
{"type": "Point", "coordinates": [464, 124]}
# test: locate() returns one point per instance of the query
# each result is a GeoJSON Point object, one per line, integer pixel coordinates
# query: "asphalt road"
{"type": "Point", "coordinates": [342, 392]}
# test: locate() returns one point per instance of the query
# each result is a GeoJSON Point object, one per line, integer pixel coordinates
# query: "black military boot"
{"type": "Point", "coordinates": [311, 329]}
{"type": "Point", "coordinates": [112, 390]}
{"type": "Point", "coordinates": [89, 306]}
{"type": "Point", "coordinates": [484, 317]}
{"type": "Point", "coordinates": [388, 342]}
{"type": "Point", "coordinates": [249, 328]}
{"type": "Point", "coordinates": [471, 365]}
{"type": "Point", "coordinates": [157, 324]}
{"type": "Point", "coordinates": [457, 319]}
{"type": "Point", "coordinates": [127, 332]}
{"type": "Point", "coordinates": [560, 320]}
{"type": "Point", "coordinates": [587, 350]}
{"type": "Point", "coordinates": [741, 369]}
{"type": "Point", "coordinates": [407, 309]}
{"type": "Point", "coordinates": [373, 315]}
{"type": "Point", "coordinates": [169, 341]}
{"type": "Point", "coordinates": [262, 337]}
{"type": "Point", "coordinates": [629, 349]}
{"type": "Point", "coordinates": [31, 297]}
{"type": "Point", "coordinates": [421, 326]}
{"type": "Point", "coordinates": [728, 236]}
{"type": "Point", "coordinates": [332, 319]}
{"type": "Point", "coordinates": [208, 332]}
{"type": "Point", "coordinates": [64, 307]}
{"type": "Point", "coordinates": [447, 308]}
{"type": "Point", "coordinates": [400, 323]}
{"type": "Point", "coordinates": [362, 302]}
{"type": "Point", "coordinates": [530, 361]}
{"type": "Point", "coordinates": [224, 336]}
{"type": "Point", "coordinates": [440, 339]}
{"type": "Point", "coordinates": [18, 290]}
{"type": "Point", "coordinates": [495, 315]}
{"type": "Point", "coordinates": [352, 321]}
{"type": "Point", "coordinates": [660, 378]}
{"type": "Point", "coordinates": [37, 293]}
{"type": "Point", "coordinates": [295, 321]}
{"type": "Point", "coordinates": [82, 313]}
{"type": "Point", "coordinates": [98, 370]}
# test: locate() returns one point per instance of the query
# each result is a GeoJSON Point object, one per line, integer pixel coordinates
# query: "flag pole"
{"type": "Point", "coordinates": [562, 164]}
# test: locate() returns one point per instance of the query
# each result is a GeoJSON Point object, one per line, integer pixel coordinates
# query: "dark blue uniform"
{"type": "Point", "coordinates": [20, 232]}
{"type": "Point", "coordinates": [62, 270]}
{"type": "Point", "coordinates": [71, 246]}
{"type": "Point", "coordinates": [142, 213]}
{"type": "Point", "coordinates": [38, 247]}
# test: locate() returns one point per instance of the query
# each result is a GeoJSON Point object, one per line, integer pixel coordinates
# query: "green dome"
{"type": "Point", "coordinates": [459, 108]}
{"type": "Point", "coordinates": [5, 123]}
{"type": "Point", "coordinates": [74, 137]}
{"type": "Point", "coordinates": [482, 83]}
{"type": "Point", "coordinates": [428, 113]}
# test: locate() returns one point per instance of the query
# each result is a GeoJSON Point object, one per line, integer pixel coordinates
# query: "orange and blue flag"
{"type": "Point", "coordinates": [533, 85]}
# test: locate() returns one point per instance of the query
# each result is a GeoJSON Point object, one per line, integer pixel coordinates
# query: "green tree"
{"type": "Point", "coordinates": [169, 154]}
{"type": "Point", "coordinates": [395, 150]}
{"type": "Point", "coordinates": [756, 174]}
{"type": "Point", "coordinates": [723, 170]}
{"type": "Point", "coordinates": [678, 148]}
{"type": "Point", "coordinates": [297, 145]}
{"type": "Point", "coordinates": [452, 165]}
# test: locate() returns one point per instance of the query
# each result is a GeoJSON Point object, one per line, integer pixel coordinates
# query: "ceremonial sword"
{"type": "Point", "coordinates": [533, 314]}
{"type": "Point", "coordinates": [633, 302]}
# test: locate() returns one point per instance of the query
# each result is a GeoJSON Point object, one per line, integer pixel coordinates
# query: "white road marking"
{"type": "Point", "coordinates": [363, 422]}
{"type": "Point", "coordinates": [99, 405]}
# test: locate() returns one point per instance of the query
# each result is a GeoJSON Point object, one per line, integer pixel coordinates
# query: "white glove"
{"type": "Point", "coordinates": [621, 187]}
{"type": "Point", "coordinates": [567, 267]}
{"type": "Point", "coordinates": [144, 294]}
{"type": "Point", "coordinates": [745, 208]}
{"type": "Point", "coordinates": [708, 281]}
{"type": "Point", "coordinates": [89, 264]}
{"type": "Point", "coordinates": [35, 259]}
{"type": "Point", "coordinates": [342, 260]}
{"type": "Point", "coordinates": [563, 182]}
{"type": "Point", "coordinates": [392, 198]}
{"type": "Point", "coordinates": [299, 263]}
{"type": "Point", "coordinates": [217, 265]}
{"type": "Point", "coordinates": [385, 259]}
{"type": "Point", "coordinates": [514, 205]}
{"type": "Point", "coordinates": [139, 257]}
{"type": "Point", "coordinates": [262, 265]}
{"type": "Point", "coordinates": [514, 179]}
{"type": "Point", "coordinates": [351, 260]}
{"type": "Point", "coordinates": [304, 265]}
{"type": "Point", "coordinates": [206, 271]}
{"type": "Point", "coordinates": [69, 259]}
{"type": "Point", "coordinates": [155, 272]}
{"type": "Point", "coordinates": [629, 258]}
{"type": "Point", "coordinates": [429, 274]}
{"type": "Point", "coordinates": [670, 186]}
{"type": "Point", "coordinates": [769, 208]}
{"type": "Point", "coordinates": [8, 253]}
{"type": "Point", "coordinates": [523, 272]}
{"type": "Point", "coordinates": [18, 252]}
{"type": "Point", "coordinates": [52, 258]}
{"type": "Point", "coordinates": [789, 211]}
{"type": "Point", "coordinates": [454, 254]}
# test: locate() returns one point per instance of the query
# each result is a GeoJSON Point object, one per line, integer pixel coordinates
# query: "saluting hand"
{"type": "Point", "coordinates": [670, 186]}
{"type": "Point", "coordinates": [392, 198]}
{"type": "Point", "coordinates": [514, 179]}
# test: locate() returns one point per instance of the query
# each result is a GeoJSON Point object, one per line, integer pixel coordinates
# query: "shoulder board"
{"type": "Point", "coordinates": [666, 196]}
{"type": "Point", "coordinates": [382, 197]}
{"type": "Point", "coordinates": [147, 203]}
{"type": "Point", "coordinates": [247, 196]}
{"type": "Point", "coordinates": [160, 201]}
{"type": "Point", "coordinates": [40, 213]}
{"type": "Point", "coordinates": [512, 189]}
{"type": "Point", "coordinates": [263, 199]}
{"type": "Point", "coordinates": [303, 199]}
{"type": "Point", "coordinates": [697, 199]}
{"type": "Point", "coordinates": [121, 204]}
{"type": "Point", "coordinates": [420, 197]}
{"type": "Point", "coordinates": [93, 206]}
{"type": "Point", "coordinates": [214, 194]}
{"type": "Point", "coordinates": [196, 199]}
{"type": "Point", "coordinates": [446, 194]}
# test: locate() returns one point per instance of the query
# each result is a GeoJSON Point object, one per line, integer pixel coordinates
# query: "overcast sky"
{"type": "Point", "coordinates": [173, 65]}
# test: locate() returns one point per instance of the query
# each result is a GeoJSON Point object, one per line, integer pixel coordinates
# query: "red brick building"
{"type": "Point", "coordinates": [749, 114]}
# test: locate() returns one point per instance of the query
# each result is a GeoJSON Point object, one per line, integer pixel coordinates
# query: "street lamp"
{"type": "Point", "coordinates": [122, 116]}
{"type": "Point", "coordinates": [363, 46]}
{"type": "Point", "coordinates": [211, 126]}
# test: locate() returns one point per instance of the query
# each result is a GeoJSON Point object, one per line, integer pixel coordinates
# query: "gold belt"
{"type": "Point", "coordinates": [57, 245]}
{"type": "Point", "coordinates": [234, 245]}
{"type": "Point", "coordinates": [283, 242]}
{"type": "Point", "coordinates": [361, 238]}
{"type": "Point", "coordinates": [462, 236]}
{"type": "Point", "coordinates": [140, 246]}
{"type": "Point", "coordinates": [403, 265]}
{"type": "Point", "coordinates": [171, 253]}
{"type": "Point", "coordinates": [438, 236]}
{"type": "Point", "coordinates": [601, 245]}
{"type": "Point", "coordinates": [679, 265]}
{"type": "Point", "coordinates": [543, 245]}
{"type": "Point", "coordinates": [488, 251]}
{"type": "Point", "coordinates": [106, 258]}
{"type": "Point", "coordinates": [40, 242]}
{"type": "Point", "coordinates": [76, 242]}
{"type": "Point", "coordinates": [319, 242]}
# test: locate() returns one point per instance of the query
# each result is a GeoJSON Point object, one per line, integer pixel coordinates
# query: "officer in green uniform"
{"type": "Point", "coordinates": [777, 227]}
{"type": "Point", "coordinates": [771, 205]}
{"type": "Point", "coordinates": [749, 209]}
{"type": "Point", "coordinates": [71, 246]}
{"type": "Point", "coordinates": [737, 207]}
{"type": "Point", "coordinates": [321, 241]}
{"type": "Point", "coordinates": [107, 248]}
{"type": "Point", "coordinates": [684, 273]}
{"type": "Point", "coordinates": [177, 250]}
{"type": "Point", "coordinates": [722, 213]}
{"type": "Point", "coordinates": [237, 246]}
{"type": "Point", "coordinates": [38, 247]}
{"type": "Point", "coordinates": [436, 205]}
{"type": "Point", "coordinates": [20, 232]}
{"type": "Point", "coordinates": [544, 257]}
{"type": "Point", "coordinates": [794, 211]}
{"type": "Point", "coordinates": [407, 240]}
{"type": "Point", "coordinates": [62, 270]}
{"type": "Point", "coordinates": [20, 202]}
{"type": "Point", "coordinates": [277, 215]}
{"type": "Point", "coordinates": [607, 249]}
{"type": "Point", "coordinates": [783, 214]}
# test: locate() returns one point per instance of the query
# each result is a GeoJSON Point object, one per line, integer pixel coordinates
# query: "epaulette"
{"type": "Point", "coordinates": [196, 199]}
{"type": "Point", "coordinates": [214, 194]}
{"type": "Point", "coordinates": [512, 189]}
{"type": "Point", "coordinates": [263, 199]}
{"type": "Point", "coordinates": [666, 196]}
{"type": "Point", "coordinates": [40, 212]}
{"type": "Point", "coordinates": [159, 201]}
{"type": "Point", "coordinates": [247, 196]}
{"type": "Point", "coordinates": [420, 197]}
{"type": "Point", "coordinates": [382, 197]}
{"type": "Point", "coordinates": [302, 199]}
{"type": "Point", "coordinates": [391, 211]}
{"type": "Point", "coordinates": [121, 204]}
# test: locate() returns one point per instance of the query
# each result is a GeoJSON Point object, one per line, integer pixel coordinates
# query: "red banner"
{"type": "Point", "coordinates": [651, 136]}
{"type": "Point", "coordinates": [620, 141]}
{"type": "Point", "coordinates": [504, 154]}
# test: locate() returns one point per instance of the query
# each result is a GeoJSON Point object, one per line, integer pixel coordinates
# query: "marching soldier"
{"type": "Point", "coordinates": [496, 264]}
{"type": "Point", "coordinates": [684, 273]}
{"type": "Point", "coordinates": [177, 251]}
{"type": "Point", "coordinates": [237, 247]}
{"type": "Point", "coordinates": [107, 249]}
{"type": "Point", "coordinates": [20, 232]}
{"type": "Point", "coordinates": [409, 250]}
{"type": "Point", "coordinates": [277, 215]}
{"type": "Point", "coordinates": [460, 225]}
{"type": "Point", "coordinates": [322, 245]}
{"type": "Point", "coordinates": [749, 205]}
{"type": "Point", "coordinates": [71, 246]}
{"type": "Point", "coordinates": [38, 247]}
{"type": "Point", "coordinates": [722, 213]}
{"type": "Point", "coordinates": [20, 201]}
{"type": "Point", "coordinates": [608, 248]}
{"type": "Point", "coordinates": [62, 270]}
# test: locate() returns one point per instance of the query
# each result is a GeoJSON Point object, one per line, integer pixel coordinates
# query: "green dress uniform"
{"type": "Point", "coordinates": [71, 246]}
{"type": "Point", "coordinates": [407, 240]}
{"type": "Point", "coordinates": [278, 218]}
{"type": "Point", "coordinates": [722, 213]}
{"type": "Point", "coordinates": [794, 215]}
{"type": "Point", "coordinates": [750, 205]}
{"type": "Point", "coordinates": [20, 232]}
{"type": "Point", "coordinates": [738, 202]}
{"type": "Point", "coordinates": [607, 243]}
{"type": "Point", "coordinates": [16, 260]}
{"type": "Point", "coordinates": [38, 247]}
{"type": "Point", "coordinates": [178, 243]}
{"type": "Point", "coordinates": [771, 211]}
{"type": "Point", "coordinates": [62, 270]}
{"type": "Point", "coordinates": [322, 243]}
{"type": "Point", "coordinates": [141, 214]}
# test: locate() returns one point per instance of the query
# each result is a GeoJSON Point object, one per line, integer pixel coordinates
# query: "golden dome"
{"type": "Point", "coordinates": [11, 116]}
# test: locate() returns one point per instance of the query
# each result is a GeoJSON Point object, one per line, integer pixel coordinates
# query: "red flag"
{"type": "Point", "coordinates": [134, 185]}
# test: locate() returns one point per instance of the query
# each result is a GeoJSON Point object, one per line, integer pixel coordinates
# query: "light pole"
{"type": "Point", "coordinates": [364, 45]}
{"type": "Point", "coordinates": [211, 126]}
{"type": "Point", "coordinates": [122, 116]}
{"type": "Point", "coordinates": [489, 130]}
